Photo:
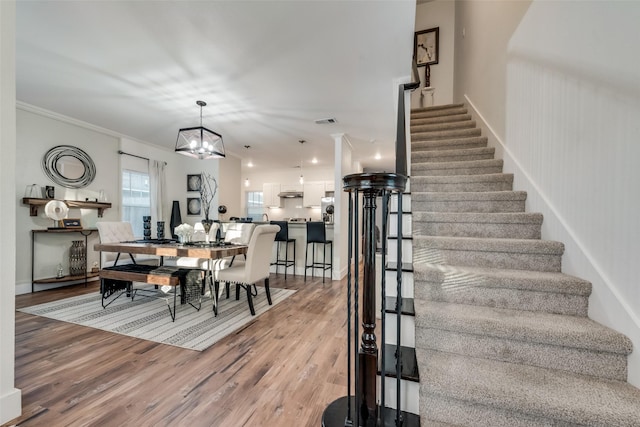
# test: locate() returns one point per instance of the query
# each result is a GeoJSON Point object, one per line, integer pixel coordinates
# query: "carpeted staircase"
{"type": "Point", "coordinates": [502, 335]}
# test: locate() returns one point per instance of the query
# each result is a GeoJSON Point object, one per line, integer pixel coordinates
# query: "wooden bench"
{"type": "Point", "coordinates": [119, 280]}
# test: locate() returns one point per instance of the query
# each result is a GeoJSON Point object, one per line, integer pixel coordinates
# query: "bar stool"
{"type": "Point", "coordinates": [283, 237]}
{"type": "Point", "coordinates": [316, 234]}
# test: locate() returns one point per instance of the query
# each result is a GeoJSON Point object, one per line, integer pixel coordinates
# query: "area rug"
{"type": "Point", "coordinates": [149, 319]}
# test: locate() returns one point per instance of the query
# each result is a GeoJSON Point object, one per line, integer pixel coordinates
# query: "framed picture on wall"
{"type": "Point", "coordinates": [425, 47]}
{"type": "Point", "coordinates": [194, 182]}
{"type": "Point", "coordinates": [194, 206]}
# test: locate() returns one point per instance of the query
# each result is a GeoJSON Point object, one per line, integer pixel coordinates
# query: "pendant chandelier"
{"type": "Point", "coordinates": [301, 179]}
{"type": "Point", "coordinates": [200, 142]}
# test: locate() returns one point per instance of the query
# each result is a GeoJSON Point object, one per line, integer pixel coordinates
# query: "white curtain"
{"type": "Point", "coordinates": [158, 186]}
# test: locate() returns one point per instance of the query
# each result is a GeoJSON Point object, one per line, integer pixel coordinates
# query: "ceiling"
{"type": "Point", "coordinates": [267, 70]}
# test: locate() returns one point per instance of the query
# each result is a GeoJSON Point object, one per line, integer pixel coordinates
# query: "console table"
{"type": "Point", "coordinates": [86, 232]}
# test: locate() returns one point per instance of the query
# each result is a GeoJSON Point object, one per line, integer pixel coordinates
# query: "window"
{"type": "Point", "coordinates": [136, 199]}
{"type": "Point", "coordinates": [255, 207]}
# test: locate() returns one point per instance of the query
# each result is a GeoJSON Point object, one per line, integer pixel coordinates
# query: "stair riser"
{"type": "Point", "coordinates": [420, 184]}
{"type": "Point", "coordinates": [447, 145]}
{"type": "Point", "coordinates": [409, 394]}
{"type": "Point", "coordinates": [474, 258]}
{"type": "Point", "coordinates": [422, 114]}
{"type": "Point", "coordinates": [438, 408]}
{"type": "Point", "coordinates": [444, 134]}
{"type": "Point", "coordinates": [579, 361]}
{"type": "Point", "coordinates": [517, 299]}
{"type": "Point", "coordinates": [407, 251]}
{"type": "Point", "coordinates": [407, 330]}
{"type": "Point", "coordinates": [441, 119]}
{"type": "Point", "coordinates": [406, 203]}
{"type": "Point", "coordinates": [418, 170]}
{"type": "Point", "coordinates": [434, 127]}
{"type": "Point", "coordinates": [470, 206]}
{"type": "Point", "coordinates": [391, 284]}
{"type": "Point", "coordinates": [456, 156]}
{"type": "Point", "coordinates": [392, 227]}
{"type": "Point", "coordinates": [472, 229]}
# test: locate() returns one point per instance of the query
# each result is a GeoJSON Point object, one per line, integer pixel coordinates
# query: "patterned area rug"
{"type": "Point", "coordinates": [149, 319]}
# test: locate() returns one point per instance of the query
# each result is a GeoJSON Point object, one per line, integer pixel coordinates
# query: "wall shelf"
{"type": "Point", "coordinates": [34, 204]}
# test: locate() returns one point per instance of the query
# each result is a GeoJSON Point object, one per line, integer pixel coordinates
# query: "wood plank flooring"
{"type": "Point", "coordinates": [282, 369]}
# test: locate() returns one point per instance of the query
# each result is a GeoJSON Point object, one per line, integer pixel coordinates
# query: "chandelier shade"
{"type": "Point", "coordinates": [200, 142]}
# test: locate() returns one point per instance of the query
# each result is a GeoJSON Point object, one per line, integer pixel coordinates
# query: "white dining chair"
{"type": "Point", "coordinates": [254, 269]}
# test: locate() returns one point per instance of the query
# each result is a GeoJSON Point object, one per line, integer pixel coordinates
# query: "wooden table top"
{"type": "Point", "coordinates": [172, 249]}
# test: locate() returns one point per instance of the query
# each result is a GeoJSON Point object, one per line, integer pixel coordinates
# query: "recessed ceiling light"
{"type": "Point", "coordinates": [327, 121]}
{"type": "Point", "coordinates": [314, 161]}
{"type": "Point", "coordinates": [378, 156]}
{"type": "Point", "coordinates": [250, 164]}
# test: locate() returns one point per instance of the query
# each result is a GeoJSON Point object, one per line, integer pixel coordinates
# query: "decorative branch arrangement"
{"type": "Point", "coordinates": [208, 190]}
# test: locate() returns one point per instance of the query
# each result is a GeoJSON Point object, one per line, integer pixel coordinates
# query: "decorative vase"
{"type": "Point", "coordinates": [146, 225]}
{"type": "Point", "coordinates": [206, 223]}
{"type": "Point", "coordinates": [176, 218]}
{"type": "Point", "coordinates": [160, 230]}
{"type": "Point", "coordinates": [77, 258]}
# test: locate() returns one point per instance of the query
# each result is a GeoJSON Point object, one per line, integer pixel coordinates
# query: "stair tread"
{"type": "Point", "coordinates": [455, 165]}
{"type": "Point", "coordinates": [529, 326]}
{"type": "Point", "coordinates": [431, 145]}
{"type": "Point", "coordinates": [437, 107]}
{"type": "Point", "coordinates": [541, 281]}
{"type": "Point", "coordinates": [468, 195]}
{"type": "Point", "coordinates": [490, 244]}
{"type": "Point", "coordinates": [456, 179]}
{"type": "Point", "coordinates": [480, 217]}
{"type": "Point", "coordinates": [409, 367]}
{"type": "Point", "coordinates": [405, 266]}
{"type": "Point", "coordinates": [533, 391]}
{"type": "Point", "coordinates": [407, 307]}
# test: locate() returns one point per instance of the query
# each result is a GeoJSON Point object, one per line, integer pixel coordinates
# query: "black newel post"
{"type": "Point", "coordinates": [359, 407]}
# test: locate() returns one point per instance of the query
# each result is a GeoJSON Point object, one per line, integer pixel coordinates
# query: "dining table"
{"type": "Point", "coordinates": [213, 252]}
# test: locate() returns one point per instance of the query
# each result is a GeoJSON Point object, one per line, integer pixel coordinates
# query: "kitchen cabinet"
{"type": "Point", "coordinates": [286, 188]}
{"type": "Point", "coordinates": [313, 193]}
{"type": "Point", "coordinates": [270, 193]}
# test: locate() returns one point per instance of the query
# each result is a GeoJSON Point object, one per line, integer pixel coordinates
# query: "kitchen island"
{"type": "Point", "coordinates": [298, 231]}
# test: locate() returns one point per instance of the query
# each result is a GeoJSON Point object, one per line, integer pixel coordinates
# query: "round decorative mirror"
{"type": "Point", "coordinates": [69, 166]}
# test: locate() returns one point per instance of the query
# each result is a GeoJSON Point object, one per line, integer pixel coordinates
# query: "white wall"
{"type": "Point", "coordinates": [557, 92]}
{"type": "Point", "coordinates": [231, 188]}
{"type": "Point", "coordinates": [481, 55]}
{"type": "Point", "coordinates": [573, 103]}
{"type": "Point", "coordinates": [441, 14]}
{"type": "Point", "coordinates": [41, 130]}
{"type": "Point", "coordinates": [41, 133]}
{"type": "Point", "coordinates": [10, 398]}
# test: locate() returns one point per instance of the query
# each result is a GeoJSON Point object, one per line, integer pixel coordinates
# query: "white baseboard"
{"type": "Point", "coordinates": [10, 405]}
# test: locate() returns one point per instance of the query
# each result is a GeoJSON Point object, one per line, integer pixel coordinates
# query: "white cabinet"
{"type": "Point", "coordinates": [291, 188]}
{"type": "Point", "coordinates": [270, 195]}
{"type": "Point", "coordinates": [313, 192]}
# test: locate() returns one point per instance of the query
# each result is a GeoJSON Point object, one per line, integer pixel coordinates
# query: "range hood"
{"type": "Point", "coordinates": [290, 194]}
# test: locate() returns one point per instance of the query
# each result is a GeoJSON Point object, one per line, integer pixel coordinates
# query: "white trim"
{"type": "Point", "coordinates": [563, 223]}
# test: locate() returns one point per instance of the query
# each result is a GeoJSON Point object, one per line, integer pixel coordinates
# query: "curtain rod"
{"type": "Point", "coordinates": [135, 155]}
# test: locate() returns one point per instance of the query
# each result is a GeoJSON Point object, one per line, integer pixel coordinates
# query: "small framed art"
{"type": "Point", "coordinates": [194, 206]}
{"type": "Point", "coordinates": [194, 182]}
{"type": "Point", "coordinates": [425, 47]}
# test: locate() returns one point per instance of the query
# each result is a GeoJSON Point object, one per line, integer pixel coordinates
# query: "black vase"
{"type": "Point", "coordinates": [176, 218]}
{"type": "Point", "coordinates": [146, 225]}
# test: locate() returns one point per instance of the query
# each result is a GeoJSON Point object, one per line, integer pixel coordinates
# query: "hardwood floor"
{"type": "Point", "coordinates": [284, 368]}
